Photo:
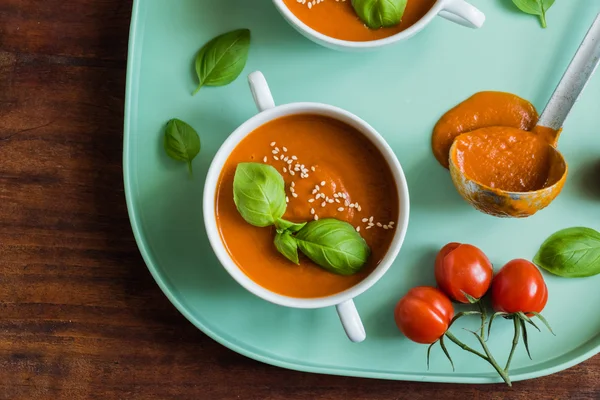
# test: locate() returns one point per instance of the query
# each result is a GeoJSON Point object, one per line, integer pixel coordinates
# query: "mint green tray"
{"type": "Point", "coordinates": [400, 90]}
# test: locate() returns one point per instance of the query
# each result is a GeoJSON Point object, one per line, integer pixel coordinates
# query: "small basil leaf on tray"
{"type": "Point", "coordinates": [571, 253]}
{"type": "Point", "coordinates": [181, 142]}
{"type": "Point", "coordinates": [334, 245]}
{"type": "Point", "coordinates": [379, 13]}
{"type": "Point", "coordinates": [283, 225]}
{"type": "Point", "coordinates": [259, 193]}
{"type": "Point", "coordinates": [286, 244]}
{"type": "Point", "coordinates": [222, 59]}
{"type": "Point", "coordinates": [535, 7]}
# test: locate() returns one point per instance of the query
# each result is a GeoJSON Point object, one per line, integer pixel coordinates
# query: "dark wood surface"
{"type": "Point", "coordinates": [80, 316]}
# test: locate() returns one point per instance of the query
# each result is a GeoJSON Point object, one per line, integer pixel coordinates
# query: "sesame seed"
{"type": "Point", "coordinates": [292, 189]}
{"type": "Point", "coordinates": [371, 219]}
{"type": "Point", "coordinates": [335, 195]}
{"type": "Point", "coordinates": [330, 201]}
{"type": "Point", "coordinates": [284, 170]}
{"type": "Point", "coordinates": [313, 169]}
{"type": "Point", "coordinates": [275, 151]}
{"type": "Point", "coordinates": [365, 219]}
{"type": "Point", "coordinates": [323, 204]}
{"type": "Point", "coordinates": [285, 149]}
{"type": "Point", "coordinates": [312, 211]}
{"type": "Point", "coordinates": [337, 201]}
{"type": "Point", "coordinates": [277, 148]}
{"type": "Point", "coordinates": [358, 229]}
{"type": "Point", "coordinates": [316, 217]}
{"type": "Point", "coordinates": [287, 199]}
{"type": "Point", "coordinates": [314, 191]}
{"type": "Point", "coordinates": [273, 144]}
{"type": "Point", "coordinates": [285, 158]}
{"type": "Point", "coordinates": [369, 227]}
{"type": "Point", "coordinates": [311, 200]}
{"type": "Point", "coordinates": [351, 205]}
{"type": "Point", "coordinates": [344, 196]}
{"type": "Point", "coordinates": [341, 209]}
{"type": "Point", "coordinates": [294, 158]}
{"type": "Point", "coordinates": [378, 224]}
{"type": "Point", "coordinates": [322, 183]}
{"type": "Point", "coordinates": [391, 223]}
{"type": "Point", "coordinates": [386, 227]}
{"type": "Point", "coordinates": [292, 173]}
{"type": "Point", "coordinates": [293, 184]}
{"type": "Point", "coordinates": [317, 187]}
{"type": "Point", "coordinates": [295, 194]}
{"type": "Point", "coordinates": [276, 158]}
{"type": "Point", "coordinates": [265, 159]}
{"type": "Point", "coordinates": [359, 208]}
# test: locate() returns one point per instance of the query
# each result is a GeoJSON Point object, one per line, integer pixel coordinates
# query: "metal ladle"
{"type": "Point", "coordinates": [502, 203]}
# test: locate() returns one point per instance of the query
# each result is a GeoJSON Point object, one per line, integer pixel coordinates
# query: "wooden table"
{"type": "Point", "coordinates": [80, 316]}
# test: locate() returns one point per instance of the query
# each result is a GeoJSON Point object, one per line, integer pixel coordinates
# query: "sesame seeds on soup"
{"type": "Point", "coordinates": [330, 171]}
{"type": "Point", "coordinates": [337, 18]}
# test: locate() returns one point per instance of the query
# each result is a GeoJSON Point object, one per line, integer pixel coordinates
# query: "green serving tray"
{"type": "Point", "coordinates": [401, 90]}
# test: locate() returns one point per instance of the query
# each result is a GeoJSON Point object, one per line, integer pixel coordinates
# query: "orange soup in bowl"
{"type": "Point", "coordinates": [330, 170]}
{"type": "Point", "coordinates": [338, 20]}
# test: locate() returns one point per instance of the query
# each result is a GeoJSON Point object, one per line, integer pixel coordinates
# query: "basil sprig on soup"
{"type": "Point", "coordinates": [380, 13]}
{"type": "Point", "coordinates": [259, 196]}
{"type": "Point", "coordinates": [259, 193]}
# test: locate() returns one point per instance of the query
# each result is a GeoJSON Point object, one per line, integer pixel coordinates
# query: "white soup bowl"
{"type": "Point", "coordinates": [267, 112]}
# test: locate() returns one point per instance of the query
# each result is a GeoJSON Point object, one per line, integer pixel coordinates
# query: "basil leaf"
{"type": "Point", "coordinates": [259, 193]}
{"type": "Point", "coordinates": [292, 227]}
{"type": "Point", "coordinates": [222, 59]}
{"type": "Point", "coordinates": [535, 7]}
{"type": "Point", "coordinates": [287, 245]}
{"type": "Point", "coordinates": [571, 253]}
{"type": "Point", "coordinates": [379, 13]}
{"type": "Point", "coordinates": [182, 142]}
{"type": "Point", "coordinates": [334, 245]}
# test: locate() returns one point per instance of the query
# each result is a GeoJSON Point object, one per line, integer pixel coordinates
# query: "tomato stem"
{"type": "Point", "coordinates": [464, 346]}
{"type": "Point", "coordinates": [544, 321]}
{"type": "Point", "coordinates": [525, 340]}
{"type": "Point", "coordinates": [503, 373]}
{"type": "Point", "coordinates": [446, 352]}
{"type": "Point", "coordinates": [514, 342]}
{"type": "Point", "coordinates": [483, 318]}
{"type": "Point", "coordinates": [487, 356]}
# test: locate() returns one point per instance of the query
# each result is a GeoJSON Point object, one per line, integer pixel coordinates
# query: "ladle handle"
{"type": "Point", "coordinates": [574, 80]}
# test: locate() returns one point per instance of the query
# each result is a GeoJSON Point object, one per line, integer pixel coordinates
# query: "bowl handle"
{"type": "Point", "coordinates": [260, 91]}
{"type": "Point", "coordinates": [351, 321]}
{"type": "Point", "coordinates": [462, 13]}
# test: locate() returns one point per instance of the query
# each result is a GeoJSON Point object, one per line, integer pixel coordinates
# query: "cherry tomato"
{"type": "Point", "coordinates": [463, 268]}
{"type": "Point", "coordinates": [423, 314]}
{"type": "Point", "coordinates": [519, 287]}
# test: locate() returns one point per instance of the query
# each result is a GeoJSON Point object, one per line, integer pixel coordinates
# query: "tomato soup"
{"type": "Point", "coordinates": [506, 158]}
{"type": "Point", "coordinates": [337, 19]}
{"type": "Point", "coordinates": [483, 109]}
{"type": "Point", "coordinates": [330, 171]}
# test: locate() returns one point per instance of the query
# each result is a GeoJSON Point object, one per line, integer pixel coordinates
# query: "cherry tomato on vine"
{"type": "Point", "coordinates": [463, 268]}
{"type": "Point", "coordinates": [424, 314]}
{"type": "Point", "coordinates": [519, 287]}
